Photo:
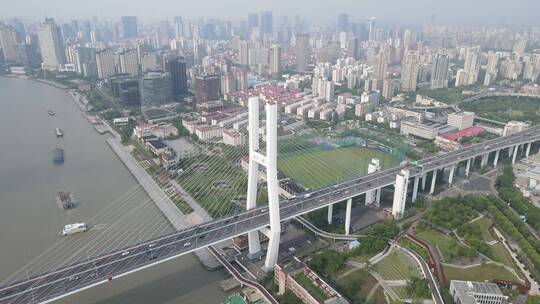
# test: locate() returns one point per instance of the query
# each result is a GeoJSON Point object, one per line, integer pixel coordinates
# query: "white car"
{"type": "Point", "coordinates": [186, 244]}
{"type": "Point", "coordinates": [125, 253]}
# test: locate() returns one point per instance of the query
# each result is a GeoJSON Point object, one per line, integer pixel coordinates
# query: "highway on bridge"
{"type": "Point", "coordinates": [81, 275]}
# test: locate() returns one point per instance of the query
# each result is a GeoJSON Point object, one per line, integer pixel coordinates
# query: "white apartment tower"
{"type": "Point", "coordinates": [105, 63]}
{"type": "Point", "coordinates": [51, 45]}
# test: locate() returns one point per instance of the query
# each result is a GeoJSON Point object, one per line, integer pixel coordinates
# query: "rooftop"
{"type": "Point", "coordinates": [472, 131]}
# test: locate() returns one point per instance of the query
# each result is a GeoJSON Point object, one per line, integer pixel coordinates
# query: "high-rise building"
{"type": "Point", "coordinates": [381, 65]}
{"type": "Point", "coordinates": [243, 53]}
{"type": "Point", "coordinates": [440, 73]}
{"type": "Point", "coordinates": [155, 88]}
{"type": "Point", "coordinates": [240, 76]}
{"type": "Point", "coordinates": [129, 27]}
{"type": "Point", "coordinates": [303, 51]}
{"type": "Point", "coordinates": [472, 66]}
{"type": "Point", "coordinates": [129, 62]}
{"type": "Point", "coordinates": [51, 45]}
{"type": "Point", "coordinates": [164, 34]}
{"type": "Point", "coordinates": [253, 21]}
{"type": "Point", "coordinates": [176, 66]}
{"type": "Point", "coordinates": [105, 63]}
{"type": "Point", "coordinates": [491, 68]}
{"type": "Point", "coordinates": [409, 71]}
{"type": "Point", "coordinates": [371, 29]}
{"type": "Point", "coordinates": [206, 88]}
{"type": "Point", "coordinates": [178, 27]}
{"type": "Point", "coordinates": [84, 59]}
{"type": "Point", "coordinates": [343, 23]}
{"type": "Point", "coordinates": [275, 60]}
{"type": "Point", "coordinates": [267, 22]}
{"type": "Point", "coordinates": [8, 39]}
{"type": "Point", "coordinates": [461, 120]}
{"type": "Point", "coordinates": [352, 48]}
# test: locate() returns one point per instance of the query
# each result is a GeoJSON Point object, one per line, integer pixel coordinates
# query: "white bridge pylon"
{"type": "Point", "coordinates": [269, 161]}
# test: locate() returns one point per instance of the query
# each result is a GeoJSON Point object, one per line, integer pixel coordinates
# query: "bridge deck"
{"type": "Point", "coordinates": [86, 274]}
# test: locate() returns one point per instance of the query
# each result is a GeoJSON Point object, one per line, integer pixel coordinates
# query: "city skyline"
{"type": "Point", "coordinates": [483, 12]}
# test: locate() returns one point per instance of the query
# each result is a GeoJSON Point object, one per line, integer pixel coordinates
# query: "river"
{"type": "Point", "coordinates": [110, 201]}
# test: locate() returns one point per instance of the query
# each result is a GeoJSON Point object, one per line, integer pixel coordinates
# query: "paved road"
{"type": "Point", "coordinates": [435, 292]}
{"type": "Point", "coordinates": [98, 270]}
{"type": "Point", "coordinates": [245, 281]}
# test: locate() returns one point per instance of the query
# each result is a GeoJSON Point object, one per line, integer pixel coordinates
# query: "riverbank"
{"type": "Point", "coordinates": [173, 215]}
{"type": "Point", "coordinates": [110, 200]}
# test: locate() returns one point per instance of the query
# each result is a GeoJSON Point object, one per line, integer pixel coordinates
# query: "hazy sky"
{"type": "Point", "coordinates": [492, 12]}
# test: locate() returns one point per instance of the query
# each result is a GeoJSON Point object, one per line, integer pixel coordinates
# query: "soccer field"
{"type": "Point", "coordinates": [321, 168]}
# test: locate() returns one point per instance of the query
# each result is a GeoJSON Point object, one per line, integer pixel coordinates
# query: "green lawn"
{"type": "Point", "coordinates": [505, 109]}
{"type": "Point", "coordinates": [448, 95]}
{"type": "Point", "coordinates": [357, 285]}
{"type": "Point", "coordinates": [445, 244]}
{"type": "Point", "coordinates": [313, 290]}
{"type": "Point", "coordinates": [500, 254]}
{"type": "Point", "coordinates": [479, 273]}
{"type": "Point", "coordinates": [184, 207]}
{"type": "Point", "coordinates": [198, 180]}
{"type": "Point", "coordinates": [484, 224]}
{"type": "Point", "coordinates": [318, 168]}
{"type": "Point", "coordinates": [396, 266]}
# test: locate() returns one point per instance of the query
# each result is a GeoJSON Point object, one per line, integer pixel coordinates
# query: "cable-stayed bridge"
{"type": "Point", "coordinates": [407, 180]}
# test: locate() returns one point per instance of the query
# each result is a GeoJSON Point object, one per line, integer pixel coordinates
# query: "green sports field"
{"type": "Point", "coordinates": [319, 168]}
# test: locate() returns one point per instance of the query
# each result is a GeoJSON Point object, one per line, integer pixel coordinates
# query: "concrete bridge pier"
{"type": "Point", "coordinates": [451, 175]}
{"type": "Point", "coordinates": [468, 167]}
{"type": "Point", "coordinates": [415, 188]}
{"type": "Point", "coordinates": [514, 154]}
{"type": "Point", "coordinates": [484, 160]}
{"type": "Point", "coordinates": [373, 196]}
{"type": "Point", "coordinates": [424, 177]}
{"type": "Point", "coordinates": [528, 149]}
{"type": "Point", "coordinates": [330, 213]}
{"type": "Point", "coordinates": [400, 193]}
{"type": "Point", "coordinates": [433, 181]}
{"type": "Point", "coordinates": [496, 159]}
{"type": "Point", "coordinates": [348, 216]}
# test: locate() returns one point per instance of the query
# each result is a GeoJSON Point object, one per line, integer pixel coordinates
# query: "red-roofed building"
{"type": "Point", "coordinates": [469, 132]}
{"type": "Point", "coordinates": [450, 140]}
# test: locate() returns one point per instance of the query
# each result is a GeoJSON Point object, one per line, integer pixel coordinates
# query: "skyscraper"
{"type": "Point", "coordinates": [155, 88]}
{"type": "Point", "coordinates": [51, 45]}
{"type": "Point", "coordinates": [275, 60]}
{"type": "Point", "coordinates": [176, 66]}
{"type": "Point", "coordinates": [343, 23]}
{"type": "Point", "coordinates": [178, 27]}
{"type": "Point", "coordinates": [164, 37]}
{"type": "Point", "coordinates": [303, 51]}
{"type": "Point", "coordinates": [105, 63]}
{"type": "Point", "coordinates": [129, 62]}
{"type": "Point", "coordinates": [8, 39]}
{"type": "Point", "coordinates": [381, 65]}
{"type": "Point", "coordinates": [352, 48]}
{"type": "Point", "coordinates": [206, 88]}
{"type": "Point", "coordinates": [253, 21]}
{"type": "Point", "coordinates": [243, 53]}
{"type": "Point", "coordinates": [472, 65]}
{"type": "Point", "coordinates": [440, 72]}
{"type": "Point", "coordinates": [371, 33]}
{"type": "Point", "coordinates": [409, 71]}
{"type": "Point", "coordinates": [267, 22]}
{"type": "Point", "coordinates": [129, 27]}
{"type": "Point", "coordinates": [491, 69]}
{"type": "Point", "coordinates": [85, 61]}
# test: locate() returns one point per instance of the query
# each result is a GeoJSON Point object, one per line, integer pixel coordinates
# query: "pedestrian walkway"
{"type": "Point", "coordinates": [162, 201]}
